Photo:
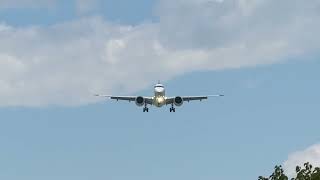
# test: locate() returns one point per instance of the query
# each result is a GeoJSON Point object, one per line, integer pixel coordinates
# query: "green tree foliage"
{"type": "Point", "coordinates": [305, 173]}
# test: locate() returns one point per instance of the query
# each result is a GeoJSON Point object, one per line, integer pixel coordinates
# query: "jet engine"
{"type": "Point", "coordinates": [140, 101]}
{"type": "Point", "coordinates": [178, 101]}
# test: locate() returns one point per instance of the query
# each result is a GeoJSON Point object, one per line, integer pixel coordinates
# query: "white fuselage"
{"type": "Point", "coordinates": [159, 98]}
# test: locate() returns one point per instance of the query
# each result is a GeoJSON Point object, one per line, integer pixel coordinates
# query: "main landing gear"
{"type": "Point", "coordinates": [172, 109]}
{"type": "Point", "coordinates": [145, 109]}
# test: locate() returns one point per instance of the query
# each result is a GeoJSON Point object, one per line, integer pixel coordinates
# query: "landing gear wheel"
{"type": "Point", "coordinates": [172, 109]}
{"type": "Point", "coordinates": [145, 109]}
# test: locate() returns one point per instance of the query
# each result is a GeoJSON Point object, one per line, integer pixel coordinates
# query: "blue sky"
{"type": "Point", "coordinates": [121, 11]}
{"type": "Point", "coordinates": [270, 110]}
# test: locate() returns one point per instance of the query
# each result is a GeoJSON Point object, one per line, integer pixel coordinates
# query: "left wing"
{"type": "Point", "coordinates": [148, 100]}
{"type": "Point", "coordinates": [191, 98]}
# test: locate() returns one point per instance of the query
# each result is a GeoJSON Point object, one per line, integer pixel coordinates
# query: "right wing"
{"type": "Point", "coordinates": [148, 100]}
{"type": "Point", "coordinates": [124, 98]}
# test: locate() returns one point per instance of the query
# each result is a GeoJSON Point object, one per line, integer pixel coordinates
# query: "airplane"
{"type": "Point", "coordinates": [159, 99]}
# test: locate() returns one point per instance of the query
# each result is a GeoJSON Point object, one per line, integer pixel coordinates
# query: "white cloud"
{"type": "Point", "coordinates": [311, 155]}
{"type": "Point", "coordinates": [65, 63]}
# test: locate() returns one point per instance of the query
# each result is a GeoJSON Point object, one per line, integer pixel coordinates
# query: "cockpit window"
{"type": "Point", "coordinates": [158, 86]}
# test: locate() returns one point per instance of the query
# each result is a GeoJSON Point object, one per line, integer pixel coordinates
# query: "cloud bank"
{"type": "Point", "coordinates": [311, 155]}
{"type": "Point", "coordinates": [64, 64]}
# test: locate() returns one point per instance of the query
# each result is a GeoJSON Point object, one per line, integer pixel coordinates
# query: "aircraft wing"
{"type": "Point", "coordinates": [148, 100]}
{"type": "Point", "coordinates": [192, 98]}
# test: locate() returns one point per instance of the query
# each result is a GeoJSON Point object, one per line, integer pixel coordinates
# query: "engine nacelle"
{"type": "Point", "coordinates": [140, 101]}
{"type": "Point", "coordinates": [178, 101]}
